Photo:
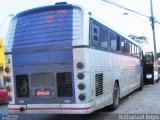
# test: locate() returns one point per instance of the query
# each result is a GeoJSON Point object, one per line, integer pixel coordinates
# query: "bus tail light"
{"type": "Point", "coordinates": [8, 79]}
{"type": "Point", "coordinates": [81, 86]}
{"type": "Point", "coordinates": [7, 69]}
{"type": "Point", "coordinates": [9, 88]}
{"type": "Point", "coordinates": [80, 65]}
{"type": "Point", "coordinates": [80, 76]}
{"type": "Point", "coordinates": [82, 97]}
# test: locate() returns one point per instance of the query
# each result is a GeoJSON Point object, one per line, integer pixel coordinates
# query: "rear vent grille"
{"type": "Point", "coordinates": [64, 84]}
{"type": "Point", "coordinates": [22, 86]}
{"type": "Point", "coordinates": [99, 84]}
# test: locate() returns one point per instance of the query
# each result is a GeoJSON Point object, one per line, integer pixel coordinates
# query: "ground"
{"type": "Point", "coordinates": [140, 103]}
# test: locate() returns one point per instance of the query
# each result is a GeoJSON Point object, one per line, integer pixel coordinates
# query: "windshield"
{"type": "Point", "coordinates": [48, 25]}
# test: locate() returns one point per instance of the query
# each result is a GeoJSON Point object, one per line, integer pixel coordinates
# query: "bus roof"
{"type": "Point", "coordinates": [43, 8]}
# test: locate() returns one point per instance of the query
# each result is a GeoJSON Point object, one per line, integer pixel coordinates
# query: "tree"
{"type": "Point", "coordinates": [139, 39]}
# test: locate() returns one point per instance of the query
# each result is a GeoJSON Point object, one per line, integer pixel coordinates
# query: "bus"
{"type": "Point", "coordinates": [3, 91]}
{"type": "Point", "coordinates": [63, 59]}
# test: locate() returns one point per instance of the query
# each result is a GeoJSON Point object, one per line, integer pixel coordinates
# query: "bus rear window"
{"type": "Point", "coordinates": [46, 26]}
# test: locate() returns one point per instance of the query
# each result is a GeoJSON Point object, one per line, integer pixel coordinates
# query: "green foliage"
{"type": "Point", "coordinates": [139, 39]}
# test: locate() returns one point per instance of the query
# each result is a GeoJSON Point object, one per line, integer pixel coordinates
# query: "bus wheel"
{"type": "Point", "coordinates": [116, 97]}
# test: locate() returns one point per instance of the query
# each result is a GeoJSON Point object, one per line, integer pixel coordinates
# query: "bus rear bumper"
{"type": "Point", "coordinates": [52, 108]}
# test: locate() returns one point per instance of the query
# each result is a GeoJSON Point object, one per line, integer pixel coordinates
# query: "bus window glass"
{"type": "Point", "coordinates": [127, 46]}
{"type": "Point", "coordinates": [122, 44]}
{"type": "Point", "coordinates": [104, 38]}
{"type": "Point", "coordinates": [11, 34]}
{"type": "Point", "coordinates": [95, 34]}
{"type": "Point", "coordinates": [118, 42]}
{"type": "Point", "coordinates": [47, 26]}
{"type": "Point", "coordinates": [113, 40]}
{"type": "Point", "coordinates": [133, 49]}
{"type": "Point", "coordinates": [137, 52]}
{"type": "Point", "coordinates": [130, 48]}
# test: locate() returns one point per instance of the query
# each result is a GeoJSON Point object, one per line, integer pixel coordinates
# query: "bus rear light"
{"type": "Point", "coordinates": [82, 97]}
{"type": "Point", "coordinates": [7, 69]}
{"type": "Point", "coordinates": [9, 88]}
{"type": "Point", "coordinates": [80, 65]}
{"type": "Point", "coordinates": [80, 76]}
{"type": "Point", "coordinates": [9, 98]}
{"type": "Point", "coordinates": [8, 79]}
{"type": "Point", "coordinates": [81, 86]}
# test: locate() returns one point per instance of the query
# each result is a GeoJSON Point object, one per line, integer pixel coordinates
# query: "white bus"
{"type": "Point", "coordinates": [63, 59]}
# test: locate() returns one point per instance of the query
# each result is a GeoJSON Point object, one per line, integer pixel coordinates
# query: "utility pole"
{"type": "Point", "coordinates": [152, 19]}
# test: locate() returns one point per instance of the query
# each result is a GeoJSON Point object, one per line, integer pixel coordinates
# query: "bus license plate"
{"type": "Point", "coordinates": [43, 93]}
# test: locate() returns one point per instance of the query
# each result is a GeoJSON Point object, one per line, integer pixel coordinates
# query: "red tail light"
{"type": "Point", "coordinates": [7, 69]}
{"type": "Point", "coordinates": [8, 79]}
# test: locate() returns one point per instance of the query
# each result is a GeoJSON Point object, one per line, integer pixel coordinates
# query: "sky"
{"type": "Point", "coordinates": [129, 23]}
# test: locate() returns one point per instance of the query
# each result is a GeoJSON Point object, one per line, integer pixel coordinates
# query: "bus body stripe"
{"type": "Point", "coordinates": [54, 108]}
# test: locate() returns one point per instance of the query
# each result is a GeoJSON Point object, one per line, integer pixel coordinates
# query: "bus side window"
{"type": "Point", "coordinates": [126, 47]}
{"type": "Point", "coordinates": [138, 52]}
{"type": "Point", "coordinates": [118, 42]}
{"type": "Point", "coordinates": [95, 34]}
{"type": "Point", "coordinates": [122, 45]}
{"type": "Point", "coordinates": [113, 39]}
{"type": "Point", "coordinates": [104, 37]}
{"type": "Point", "coordinates": [133, 49]}
{"type": "Point", "coordinates": [130, 48]}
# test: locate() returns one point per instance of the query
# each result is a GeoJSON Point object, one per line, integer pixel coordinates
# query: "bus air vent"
{"type": "Point", "coordinates": [99, 84]}
{"type": "Point", "coordinates": [64, 84]}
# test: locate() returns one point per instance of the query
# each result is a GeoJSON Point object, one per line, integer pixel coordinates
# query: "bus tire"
{"type": "Point", "coordinates": [116, 97]}
{"type": "Point", "coordinates": [141, 83]}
